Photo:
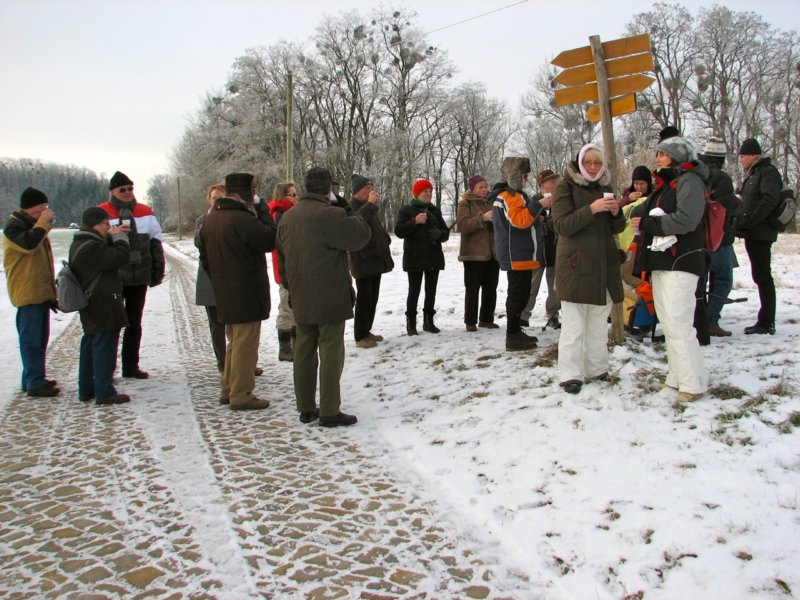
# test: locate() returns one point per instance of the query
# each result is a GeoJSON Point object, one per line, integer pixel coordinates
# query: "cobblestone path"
{"type": "Point", "coordinates": [179, 497]}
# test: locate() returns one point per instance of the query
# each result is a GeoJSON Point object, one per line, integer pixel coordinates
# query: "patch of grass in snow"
{"type": "Point", "coordinates": [792, 421]}
{"type": "Point", "coordinates": [634, 596]}
{"type": "Point", "coordinates": [784, 586]}
{"type": "Point", "coordinates": [727, 392]}
{"type": "Point", "coordinates": [647, 536]}
{"type": "Point", "coordinates": [742, 555]}
{"type": "Point", "coordinates": [649, 380]}
{"type": "Point", "coordinates": [782, 389]}
{"type": "Point", "coordinates": [547, 357]}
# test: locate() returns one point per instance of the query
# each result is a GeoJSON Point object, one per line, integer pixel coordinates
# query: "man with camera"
{"type": "Point", "coordinates": [145, 264]}
{"type": "Point", "coordinates": [28, 261]}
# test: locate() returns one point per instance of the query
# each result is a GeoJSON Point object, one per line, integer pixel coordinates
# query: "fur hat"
{"type": "Point", "coordinates": [514, 169]}
{"type": "Point", "coordinates": [240, 184]}
{"type": "Point", "coordinates": [545, 175]}
{"type": "Point", "coordinates": [119, 179]}
{"type": "Point", "coordinates": [642, 173]}
{"type": "Point", "coordinates": [680, 149]}
{"type": "Point", "coordinates": [474, 180]}
{"type": "Point", "coordinates": [318, 180]}
{"type": "Point", "coordinates": [668, 132]}
{"type": "Point", "coordinates": [420, 185]}
{"type": "Point", "coordinates": [715, 147]}
{"type": "Point", "coordinates": [750, 147]}
{"type": "Point", "coordinates": [32, 197]}
{"type": "Point", "coordinates": [358, 182]}
{"type": "Point", "coordinates": [94, 215]}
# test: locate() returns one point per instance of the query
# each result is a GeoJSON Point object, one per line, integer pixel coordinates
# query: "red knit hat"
{"type": "Point", "coordinates": [420, 185]}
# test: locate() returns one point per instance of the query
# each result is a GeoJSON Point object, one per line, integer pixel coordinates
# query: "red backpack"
{"type": "Point", "coordinates": [714, 223]}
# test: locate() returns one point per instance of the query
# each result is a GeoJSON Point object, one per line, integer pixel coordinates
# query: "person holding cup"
{"type": "Point", "coordinates": [421, 227]}
{"type": "Point", "coordinates": [546, 239]}
{"type": "Point", "coordinates": [586, 217]}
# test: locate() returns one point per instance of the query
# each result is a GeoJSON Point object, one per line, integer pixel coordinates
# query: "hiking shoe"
{"type": "Point", "coordinates": [224, 401]}
{"type": "Point", "coordinates": [471, 327]}
{"type": "Point", "coordinates": [44, 391]}
{"type": "Point", "coordinates": [338, 420]}
{"type": "Point", "coordinates": [688, 397]}
{"type": "Point", "coordinates": [489, 325]}
{"type": "Point", "coordinates": [366, 343]}
{"type": "Point", "coordinates": [115, 399]}
{"type": "Point", "coordinates": [760, 329]}
{"type": "Point", "coordinates": [308, 417]}
{"type": "Point", "coordinates": [85, 397]}
{"type": "Point", "coordinates": [259, 372]}
{"type": "Point", "coordinates": [136, 373]}
{"type": "Point", "coordinates": [520, 341]}
{"type": "Point", "coordinates": [717, 331]}
{"type": "Point", "coordinates": [375, 337]}
{"type": "Point", "coordinates": [253, 403]}
{"type": "Point", "coordinates": [524, 323]}
{"type": "Point", "coordinates": [571, 386]}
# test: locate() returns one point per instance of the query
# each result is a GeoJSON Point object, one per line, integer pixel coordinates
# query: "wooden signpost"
{"type": "Point", "coordinates": [609, 74]}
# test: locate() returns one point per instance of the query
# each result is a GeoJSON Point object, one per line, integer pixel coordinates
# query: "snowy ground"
{"type": "Point", "coordinates": [614, 493]}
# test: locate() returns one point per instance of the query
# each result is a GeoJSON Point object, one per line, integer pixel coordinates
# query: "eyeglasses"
{"type": "Point", "coordinates": [125, 190]}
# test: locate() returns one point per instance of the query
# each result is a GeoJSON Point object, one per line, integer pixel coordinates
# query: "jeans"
{"type": "Point", "coordinates": [760, 254]}
{"type": "Point", "coordinates": [33, 327]}
{"type": "Point", "coordinates": [98, 360]}
{"type": "Point", "coordinates": [720, 281]}
{"type": "Point", "coordinates": [367, 291]}
{"type": "Point", "coordinates": [480, 280]}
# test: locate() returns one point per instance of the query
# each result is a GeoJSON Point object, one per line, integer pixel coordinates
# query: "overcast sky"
{"type": "Point", "coordinates": [111, 85]}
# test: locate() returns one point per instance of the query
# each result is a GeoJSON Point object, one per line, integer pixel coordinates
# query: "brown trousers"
{"type": "Point", "coordinates": [241, 357]}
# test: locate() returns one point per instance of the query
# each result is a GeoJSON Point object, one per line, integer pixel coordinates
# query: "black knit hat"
{"type": "Point", "coordinates": [240, 184]}
{"type": "Point", "coordinates": [358, 182]}
{"type": "Point", "coordinates": [641, 173]}
{"type": "Point", "coordinates": [32, 197]}
{"type": "Point", "coordinates": [94, 215]}
{"type": "Point", "coordinates": [118, 179]}
{"type": "Point", "coordinates": [750, 146]}
{"type": "Point", "coordinates": [668, 132]}
{"type": "Point", "coordinates": [318, 180]}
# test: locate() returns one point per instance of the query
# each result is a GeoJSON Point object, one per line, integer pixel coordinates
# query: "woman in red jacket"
{"type": "Point", "coordinates": [284, 197]}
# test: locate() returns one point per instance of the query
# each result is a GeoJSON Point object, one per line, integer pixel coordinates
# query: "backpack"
{"type": "Point", "coordinates": [71, 295]}
{"type": "Point", "coordinates": [714, 223]}
{"type": "Point", "coordinates": [785, 212]}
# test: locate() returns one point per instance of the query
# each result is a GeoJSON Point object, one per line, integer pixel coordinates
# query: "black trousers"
{"type": "Point", "coordinates": [218, 341]}
{"type": "Point", "coordinates": [760, 254]}
{"type": "Point", "coordinates": [134, 297]}
{"type": "Point", "coordinates": [414, 287]}
{"type": "Point", "coordinates": [367, 291]}
{"type": "Point", "coordinates": [480, 279]}
{"type": "Point", "coordinates": [519, 289]}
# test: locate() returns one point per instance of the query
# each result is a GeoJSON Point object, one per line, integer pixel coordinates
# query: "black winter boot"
{"type": "Point", "coordinates": [427, 322]}
{"type": "Point", "coordinates": [411, 323]}
{"type": "Point", "coordinates": [520, 341]}
{"type": "Point", "coordinates": [285, 351]}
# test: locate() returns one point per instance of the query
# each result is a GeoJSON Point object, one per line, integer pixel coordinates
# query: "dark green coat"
{"type": "Point", "coordinates": [313, 241]}
{"type": "Point", "coordinates": [587, 257]}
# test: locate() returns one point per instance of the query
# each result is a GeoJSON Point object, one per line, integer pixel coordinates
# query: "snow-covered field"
{"type": "Point", "coordinates": [616, 492]}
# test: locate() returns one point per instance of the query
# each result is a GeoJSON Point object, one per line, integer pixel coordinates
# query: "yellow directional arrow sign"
{"type": "Point", "coordinates": [589, 93]}
{"type": "Point", "coordinates": [619, 106]}
{"type": "Point", "coordinates": [614, 68]}
{"type": "Point", "coordinates": [612, 49]}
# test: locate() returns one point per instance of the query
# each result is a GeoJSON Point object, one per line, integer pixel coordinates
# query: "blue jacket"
{"type": "Point", "coordinates": [513, 216]}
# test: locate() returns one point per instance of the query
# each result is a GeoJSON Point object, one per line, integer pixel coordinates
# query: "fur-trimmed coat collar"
{"type": "Point", "coordinates": [573, 173]}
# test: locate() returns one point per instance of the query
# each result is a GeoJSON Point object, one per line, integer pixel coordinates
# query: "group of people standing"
{"type": "Point", "coordinates": [117, 252]}
{"type": "Point", "coordinates": [567, 234]}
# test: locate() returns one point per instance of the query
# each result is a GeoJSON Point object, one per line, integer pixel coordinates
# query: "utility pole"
{"type": "Point", "coordinates": [289, 145]}
{"type": "Point", "coordinates": [605, 108]}
{"type": "Point", "coordinates": [180, 218]}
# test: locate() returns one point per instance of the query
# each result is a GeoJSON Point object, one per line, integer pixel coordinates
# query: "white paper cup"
{"type": "Point", "coordinates": [608, 195]}
{"type": "Point", "coordinates": [547, 194]}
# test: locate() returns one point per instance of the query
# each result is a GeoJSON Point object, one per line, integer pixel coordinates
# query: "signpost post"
{"type": "Point", "coordinates": [609, 73]}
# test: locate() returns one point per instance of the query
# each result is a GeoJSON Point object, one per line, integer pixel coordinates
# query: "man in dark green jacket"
{"type": "Point", "coordinates": [760, 194]}
{"type": "Point", "coordinates": [313, 241]}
